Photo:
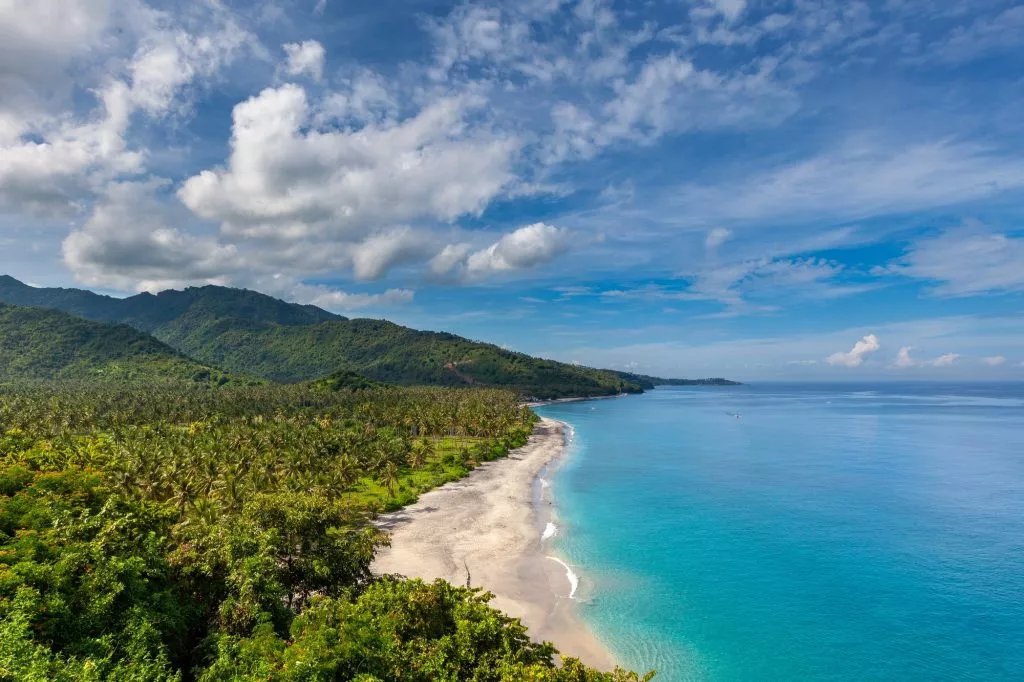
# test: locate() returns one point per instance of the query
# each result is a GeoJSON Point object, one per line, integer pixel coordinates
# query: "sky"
{"type": "Point", "coordinates": [758, 189]}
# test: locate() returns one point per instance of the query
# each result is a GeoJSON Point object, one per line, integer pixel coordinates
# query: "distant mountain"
{"type": "Point", "coordinates": [651, 382]}
{"type": "Point", "coordinates": [39, 343]}
{"type": "Point", "coordinates": [258, 335]}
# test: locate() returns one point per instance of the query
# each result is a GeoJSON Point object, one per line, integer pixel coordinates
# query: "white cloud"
{"type": "Point", "coordinates": [905, 361]}
{"type": "Point", "coordinates": [39, 37]}
{"type": "Point", "coordinates": [985, 36]}
{"type": "Point", "coordinates": [450, 259]}
{"type": "Point", "coordinates": [669, 96]}
{"type": "Point", "coordinates": [856, 355]}
{"type": "Point", "coordinates": [374, 257]}
{"type": "Point", "coordinates": [746, 283]}
{"type": "Point", "coordinates": [72, 159]}
{"type": "Point", "coordinates": [858, 180]}
{"type": "Point", "coordinates": [341, 301]}
{"type": "Point", "coordinates": [74, 75]}
{"type": "Point", "coordinates": [305, 58]}
{"type": "Point", "coordinates": [168, 58]}
{"type": "Point", "coordinates": [729, 9]}
{"type": "Point", "coordinates": [994, 361]}
{"type": "Point", "coordinates": [135, 239]}
{"type": "Point", "coordinates": [131, 242]}
{"type": "Point", "coordinates": [717, 237]}
{"type": "Point", "coordinates": [366, 98]}
{"type": "Point", "coordinates": [765, 357]}
{"type": "Point", "coordinates": [284, 181]}
{"type": "Point", "coordinates": [523, 249]}
{"type": "Point", "coordinates": [965, 261]}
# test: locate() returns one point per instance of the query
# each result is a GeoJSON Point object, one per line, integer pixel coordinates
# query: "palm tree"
{"type": "Point", "coordinates": [389, 477]}
{"type": "Point", "coordinates": [422, 450]}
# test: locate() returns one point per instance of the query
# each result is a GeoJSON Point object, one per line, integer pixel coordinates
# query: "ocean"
{"type": "Point", "coordinates": [800, 532]}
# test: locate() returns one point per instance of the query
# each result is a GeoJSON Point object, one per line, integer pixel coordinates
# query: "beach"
{"type": "Point", "coordinates": [487, 528]}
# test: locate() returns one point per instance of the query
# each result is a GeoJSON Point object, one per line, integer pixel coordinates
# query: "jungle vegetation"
{"type": "Point", "coordinates": [158, 532]}
{"type": "Point", "coordinates": [36, 343]}
{"type": "Point", "coordinates": [251, 334]}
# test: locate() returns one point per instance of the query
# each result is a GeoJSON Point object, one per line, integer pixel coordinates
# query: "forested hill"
{"type": "Point", "coordinates": [150, 312]}
{"type": "Point", "coordinates": [254, 334]}
{"type": "Point", "coordinates": [36, 343]}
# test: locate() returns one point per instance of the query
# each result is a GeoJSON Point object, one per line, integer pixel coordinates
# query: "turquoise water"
{"type": "Point", "coordinates": [830, 533]}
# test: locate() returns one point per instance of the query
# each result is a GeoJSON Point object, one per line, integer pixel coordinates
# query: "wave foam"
{"type": "Point", "coordinates": [544, 483]}
{"type": "Point", "coordinates": [550, 531]}
{"type": "Point", "coordinates": [574, 580]}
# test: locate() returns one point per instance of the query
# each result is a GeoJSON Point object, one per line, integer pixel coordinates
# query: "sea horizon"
{"type": "Point", "coordinates": [799, 530]}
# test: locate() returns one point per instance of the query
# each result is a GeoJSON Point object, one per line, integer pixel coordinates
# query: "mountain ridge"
{"type": "Point", "coordinates": [254, 334]}
{"type": "Point", "coordinates": [48, 344]}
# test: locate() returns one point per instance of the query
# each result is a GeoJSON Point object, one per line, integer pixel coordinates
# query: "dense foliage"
{"type": "Point", "coordinates": [37, 343]}
{"type": "Point", "coordinates": [173, 534]}
{"type": "Point", "coordinates": [253, 334]}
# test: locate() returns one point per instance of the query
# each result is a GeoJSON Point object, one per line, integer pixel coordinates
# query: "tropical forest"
{"type": "Point", "coordinates": [150, 533]}
{"type": "Point", "coordinates": [170, 518]}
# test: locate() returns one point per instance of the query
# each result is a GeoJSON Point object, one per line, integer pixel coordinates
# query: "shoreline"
{"type": "Point", "coordinates": [488, 528]}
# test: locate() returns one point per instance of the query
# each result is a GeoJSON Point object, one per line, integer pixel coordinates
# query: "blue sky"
{"type": "Point", "coordinates": [761, 189]}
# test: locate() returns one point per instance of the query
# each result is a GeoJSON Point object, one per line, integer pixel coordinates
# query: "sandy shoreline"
{"type": "Point", "coordinates": [487, 523]}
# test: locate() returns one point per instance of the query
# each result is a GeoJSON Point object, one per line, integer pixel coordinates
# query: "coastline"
{"type": "Point", "coordinates": [487, 527]}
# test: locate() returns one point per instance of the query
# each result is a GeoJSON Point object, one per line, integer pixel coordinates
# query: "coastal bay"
{"type": "Point", "coordinates": [487, 529]}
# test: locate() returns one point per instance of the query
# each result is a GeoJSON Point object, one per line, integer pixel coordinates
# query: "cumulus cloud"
{"type": "Point", "coordinates": [376, 255]}
{"type": "Point", "coordinates": [905, 361]}
{"type": "Point", "coordinates": [855, 356]}
{"type": "Point", "coordinates": [994, 361]}
{"type": "Point", "coordinates": [286, 181]}
{"type": "Point", "coordinates": [49, 171]}
{"type": "Point", "coordinates": [450, 259]}
{"type": "Point", "coordinates": [305, 58]}
{"type": "Point", "coordinates": [58, 150]}
{"type": "Point", "coordinates": [169, 57]}
{"type": "Point", "coordinates": [131, 242]}
{"type": "Point", "coordinates": [135, 240]}
{"type": "Point", "coordinates": [523, 249]}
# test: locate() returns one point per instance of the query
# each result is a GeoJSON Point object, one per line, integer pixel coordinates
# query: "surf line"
{"type": "Point", "coordinates": [574, 580]}
{"type": "Point", "coordinates": [550, 531]}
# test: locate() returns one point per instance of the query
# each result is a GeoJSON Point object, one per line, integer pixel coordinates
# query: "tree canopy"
{"type": "Point", "coordinates": [188, 534]}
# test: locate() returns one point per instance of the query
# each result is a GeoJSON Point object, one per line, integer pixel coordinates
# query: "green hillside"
{"type": "Point", "coordinates": [37, 343]}
{"type": "Point", "coordinates": [251, 333]}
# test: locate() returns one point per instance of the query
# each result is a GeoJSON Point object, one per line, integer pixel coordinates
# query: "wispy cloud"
{"type": "Point", "coordinates": [860, 179]}
{"type": "Point", "coordinates": [966, 261]}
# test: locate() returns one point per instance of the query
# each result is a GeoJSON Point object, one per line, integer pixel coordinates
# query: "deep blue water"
{"type": "Point", "coordinates": [868, 532]}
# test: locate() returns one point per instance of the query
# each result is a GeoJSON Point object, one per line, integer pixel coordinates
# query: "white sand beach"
{"type": "Point", "coordinates": [486, 525]}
